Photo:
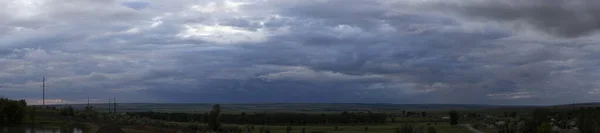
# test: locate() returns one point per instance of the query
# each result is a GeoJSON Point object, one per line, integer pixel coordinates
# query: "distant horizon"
{"type": "Point", "coordinates": [331, 103]}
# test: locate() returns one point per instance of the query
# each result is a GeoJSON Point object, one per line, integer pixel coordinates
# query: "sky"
{"type": "Point", "coordinates": [301, 51]}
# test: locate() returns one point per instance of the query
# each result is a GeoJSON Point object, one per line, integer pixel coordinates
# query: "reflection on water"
{"type": "Point", "coordinates": [25, 129]}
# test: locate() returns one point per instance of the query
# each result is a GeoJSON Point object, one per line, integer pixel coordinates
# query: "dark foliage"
{"type": "Point", "coordinates": [407, 128]}
{"type": "Point", "coordinates": [453, 118]}
{"type": "Point", "coordinates": [431, 130]}
{"type": "Point", "coordinates": [588, 120]}
{"type": "Point", "coordinates": [11, 111]}
{"type": "Point", "coordinates": [272, 119]}
{"type": "Point", "coordinates": [213, 118]}
{"type": "Point", "coordinates": [67, 111]}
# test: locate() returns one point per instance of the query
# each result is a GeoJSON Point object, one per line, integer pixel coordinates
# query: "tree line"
{"type": "Point", "coordinates": [271, 118]}
{"type": "Point", "coordinates": [588, 120]}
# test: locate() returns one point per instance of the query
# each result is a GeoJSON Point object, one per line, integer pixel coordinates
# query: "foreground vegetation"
{"type": "Point", "coordinates": [539, 120]}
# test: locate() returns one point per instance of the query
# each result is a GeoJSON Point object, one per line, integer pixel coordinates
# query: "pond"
{"type": "Point", "coordinates": [26, 129]}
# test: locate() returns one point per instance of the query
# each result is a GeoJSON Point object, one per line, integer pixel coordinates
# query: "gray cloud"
{"type": "Point", "coordinates": [571, 18]}
{"type": "Point", "coordinates": [293, 51]}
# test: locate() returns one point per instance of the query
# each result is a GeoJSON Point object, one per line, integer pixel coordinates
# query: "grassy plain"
{"type": "Point", "coordinates": [433, 119]}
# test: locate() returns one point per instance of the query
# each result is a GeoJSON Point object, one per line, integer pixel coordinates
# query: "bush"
{"type": "Point", "coordinates": [431, 130]}
{"type": "Point", "coordinates": [478, 125]}
{"type": "Point", "coordinates": [544, 128]}
{"type": "Point", "coordinates": [11, 111]}
{"type": "Point", "coordinates": [407, 128]}
{"type": "Point", "coordinates": [67, 111]}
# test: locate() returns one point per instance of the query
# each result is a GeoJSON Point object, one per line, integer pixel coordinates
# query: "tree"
{"type": "Point", "coordinates": [32, 114]}
{"type": "Point", "coordinates": [213, 118]}
{"type": "Point", "coordinates": [420, 129]}
{"type": "Point", "coordinates": [544, 128]}
{"type": "Point", "coordinates": [14, 112]}
{"type": "Point", "coordinates": [453, 118]}
{"type": "Point", "coordinates": [431, 130]}
{"type": "Point", "coordinates": [513, 114]}
{"type": "Point", "coordinates": [205, 118]}
{"type": "Point", "coordinates": [288, 129]}
{"type": "Point", "coordinates": [407, 128]}
{"type": "Point", "coordinates": [243, 117]}
{"type": "Point", "coordinates": [538, 117]}
{"type": "Point", "coordinates": [587, 120]}
{"type": "Point", "coordinates": [23, 103]}
{"type": "Point", "coordinates": [11, 111]}
{"type": "Point", "coordinates": [89, 108]}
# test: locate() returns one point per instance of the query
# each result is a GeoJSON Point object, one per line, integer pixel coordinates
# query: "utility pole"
{"type": "Point", "coordinates": [44, 91]}
{"type": "Point", "coordinates": [115, 105]}
{"type": "Point", "coordinates": [88, 105]}
{"type": "Point", "coordinates": [109, 109]}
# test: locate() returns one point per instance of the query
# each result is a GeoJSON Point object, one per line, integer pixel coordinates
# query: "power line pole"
{"type": "Point", "coordinates": [115, 105]}
{"type": "Point", "coordinates": [109, 109]}
{"type": "Point", "coordinates": [44, 91]}
{"type": "Point", "coordinates": [88, 105]}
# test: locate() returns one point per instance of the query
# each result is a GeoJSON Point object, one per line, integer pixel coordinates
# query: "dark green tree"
{"type": "Point", "coordinates": [67, 111]}
{"type": "Point", "coordinates": [14, 112]}
{"type": "Point", "coordinates": [453, 118]}
{"type": "Point", "coordinates": [11, 111]}
{"type": "Point", "coordinates": [288, 129]}
{"type": "Point", "coordinates": [407, 128]}
{"type": "Point", "coordinates": [588, 120]}
{"type": "Point", "coordinates": [431, 130]}
{"type": "Point", "coordinates": [544, 128]}
{"type": "Point", "coordinates": [243, 117]}
{"type": "Point", "coordinates": [214, 122]}
{"type": "Point", "coordinates": [420, 129]}
{"type": "Point", "coordinates": [23, 103]}
{"type": "Point", "coordinates": [32, 114]}
{"type": "Point", "coordinates": [513, 114]}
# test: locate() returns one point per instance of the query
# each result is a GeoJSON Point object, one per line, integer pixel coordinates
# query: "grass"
{"type": "Point", "coordinates": [53, 119]}
{"type": "Point", "coordinates": [386, 128]}
{"type": "Point", "coordinates": [488, 130]}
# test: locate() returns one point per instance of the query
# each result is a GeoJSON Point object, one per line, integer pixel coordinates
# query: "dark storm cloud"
{"type": "Point", "coordinates": [295, 51]}
{"type": "Point", "coordinates": [564, 18]}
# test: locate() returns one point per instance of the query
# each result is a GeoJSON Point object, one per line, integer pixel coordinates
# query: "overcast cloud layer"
{"type": "Point", "coordinates": [247, 51]}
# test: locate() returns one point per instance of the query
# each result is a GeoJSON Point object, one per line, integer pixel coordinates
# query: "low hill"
{"type": "Point", "coordinates": [288, 107]}
{"type": "Point", "coordinates": [578, 105]}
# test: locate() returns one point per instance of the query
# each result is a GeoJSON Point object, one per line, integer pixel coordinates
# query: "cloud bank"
{"type": "Point", "coordinates": [245, 51]}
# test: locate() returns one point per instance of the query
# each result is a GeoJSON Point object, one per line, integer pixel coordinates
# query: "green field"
{"type": "Point", "coordinates": [168, 117]}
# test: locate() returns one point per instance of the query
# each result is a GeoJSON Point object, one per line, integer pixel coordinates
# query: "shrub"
{"type": "Point", "coordinates": [431, 130]}
{"type": "Point", "coordinates": [407, 128]}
